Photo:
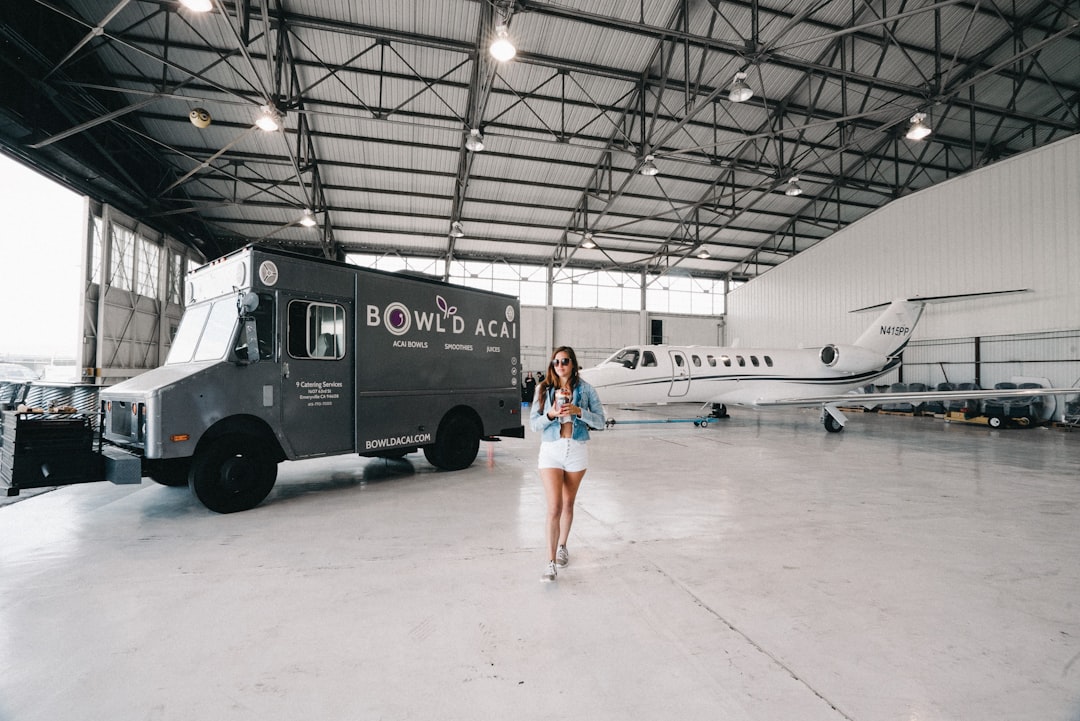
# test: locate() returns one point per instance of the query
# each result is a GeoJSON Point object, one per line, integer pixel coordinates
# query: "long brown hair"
{"type": "Point", "coordinates": [551, 380]}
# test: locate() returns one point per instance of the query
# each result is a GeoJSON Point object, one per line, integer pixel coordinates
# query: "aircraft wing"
{"type": "Point", "coordinates": [873, 399]}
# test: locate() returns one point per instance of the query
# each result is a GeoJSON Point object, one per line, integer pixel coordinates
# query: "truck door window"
{"type": "Point", "coordinates": [264, 326]}
{"type": "Point", "coordinates": [316, 330]}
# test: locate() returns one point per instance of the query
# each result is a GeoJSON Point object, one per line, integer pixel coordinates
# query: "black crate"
{"type": "Point", "coordinates": [47, 449]}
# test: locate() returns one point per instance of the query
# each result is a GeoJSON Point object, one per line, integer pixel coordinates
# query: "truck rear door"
{"type": "Point", "coordinates": [317, 376]}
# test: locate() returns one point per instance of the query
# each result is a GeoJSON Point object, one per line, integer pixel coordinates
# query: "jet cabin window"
{"type": "Point", "coordinates": [726, 360]}
{"type": "Point", "coordinates": [768, 361]}
{"type": "Point", "coordinates": [697, 361]}
{"type": "Point", "coordinates": [755, 361]}
{"type": "Point", "coordinates": [740, 360]}
{"type": "Point", "coordinates": [316, 330]}
{"type": "Point", "coordinates": [648, 360]}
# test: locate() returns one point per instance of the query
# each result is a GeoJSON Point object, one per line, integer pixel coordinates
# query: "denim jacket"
{"type": "Point", "coordinates": [585, 397]}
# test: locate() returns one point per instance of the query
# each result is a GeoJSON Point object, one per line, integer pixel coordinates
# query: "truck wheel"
{"type": "Point", "coordinates": [456, 443]}
{"type": "Point", "coordinates": [233, 473]}
{"type": "Point", "coordinates": [170, 471]}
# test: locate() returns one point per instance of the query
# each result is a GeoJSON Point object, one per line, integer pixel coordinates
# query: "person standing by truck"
{"type": "Point", "coordinates": [563, 411]}
{"type": "Point", "coordinates": [530, 389]}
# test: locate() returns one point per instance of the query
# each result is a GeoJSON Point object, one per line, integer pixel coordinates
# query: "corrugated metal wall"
{"type": "Point", "coordinates": [1015, 224]}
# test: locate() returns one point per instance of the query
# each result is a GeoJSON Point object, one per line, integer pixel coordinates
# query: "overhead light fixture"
{"type": "Point", "coordinates": [587, 242]}
{"type": "Point", "coordinates": [269, 120]}
{"type": "Point", "coordinates": [649, 167]}
{"type": "Point", "coordinates": [793, 187]}
{"type": "Point", "coordinates": [456, 229]}
{"type": "Point", "coordinates": [197, 6]}
{"type": "Point", "coordinates": [307, 219]}
{"type": "Point", "coordinates": [739, 92]}
{"type": "Point", "coordinates": [475, 141]}
{"type": "Point", "coordinates": [502, 48]}
{"type": "Point", "coordinates": [918, 129]}
{"type": "Point", "coordinates": [703, 254]}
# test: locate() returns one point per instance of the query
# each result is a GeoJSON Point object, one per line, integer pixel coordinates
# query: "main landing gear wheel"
{"type": "Point", "coordinates": [831, 424]}
{"type": "Point", "coordinates": [456, 443]}
{"type": "Point", "coordinates": [233, 473]}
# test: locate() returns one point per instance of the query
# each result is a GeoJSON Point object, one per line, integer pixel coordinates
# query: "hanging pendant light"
{"type": "Point", "coordinates": [475, 141]}
{"type": "Point", "coordinates": [918, 128]}
{"type": "Point", "coordinates": [502, 48]}
{"type": "Point", "coordinates": [269, 120]}
{"type": "Point", "coordinates": [739, 92]}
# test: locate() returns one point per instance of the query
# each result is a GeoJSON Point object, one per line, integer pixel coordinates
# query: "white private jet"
{"type": "Point", "coordinates": [771, 377]}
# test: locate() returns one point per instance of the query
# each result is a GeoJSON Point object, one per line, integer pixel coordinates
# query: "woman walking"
{"type": "Point", "coordinates": [564, 410]}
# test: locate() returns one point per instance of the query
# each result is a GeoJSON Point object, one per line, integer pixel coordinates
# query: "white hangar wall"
{"type": "Point", "coordinates": [1015, 224]}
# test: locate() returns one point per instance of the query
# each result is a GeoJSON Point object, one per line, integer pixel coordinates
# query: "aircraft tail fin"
{"type": "Point", "coordinates": [891, 331]}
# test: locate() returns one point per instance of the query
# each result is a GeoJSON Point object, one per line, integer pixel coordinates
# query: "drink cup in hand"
{"type": "Point", "coordinates": [562, 399]}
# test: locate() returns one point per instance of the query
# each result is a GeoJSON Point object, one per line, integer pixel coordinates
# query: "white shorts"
{"type": "Point", "coordinates": [565, 454]}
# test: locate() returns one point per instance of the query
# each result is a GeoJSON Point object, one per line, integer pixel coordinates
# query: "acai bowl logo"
{"type": "Point", "coordinates": [396, 318]}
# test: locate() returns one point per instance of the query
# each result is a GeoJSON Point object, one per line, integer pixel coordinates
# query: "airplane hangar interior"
{"type": "Point", "coordinates": [818, 261]}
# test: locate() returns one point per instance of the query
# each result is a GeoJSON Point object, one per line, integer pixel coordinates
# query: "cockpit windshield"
{"type": "Point", "coordinates": [627, 358]}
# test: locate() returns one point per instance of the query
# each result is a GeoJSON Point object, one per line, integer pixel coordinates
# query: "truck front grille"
{"type": "Point", "coordinates": [118, 418]}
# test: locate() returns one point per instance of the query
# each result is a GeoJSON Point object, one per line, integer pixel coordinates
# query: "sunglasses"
{"type": "Point", "coordinates": [560, 362]}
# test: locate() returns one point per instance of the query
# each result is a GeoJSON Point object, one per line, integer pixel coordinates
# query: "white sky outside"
{"type": "Point", "coordinates": [40, 255]}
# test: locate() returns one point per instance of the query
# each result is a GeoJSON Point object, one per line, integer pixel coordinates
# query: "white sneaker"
{"type": "Point", "coordinates": [562, 557]}
{"type": "Point", "coordinates": [549, 573]}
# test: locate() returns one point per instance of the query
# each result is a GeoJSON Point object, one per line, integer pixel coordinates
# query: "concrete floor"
{"type": "Point", "coordinates": [759, 568]}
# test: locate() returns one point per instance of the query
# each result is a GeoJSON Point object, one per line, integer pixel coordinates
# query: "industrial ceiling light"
{"type": "Point", "coordinates": [793, 187]}
{"type": "Point", "coordinates": [307, 219]}
{"type": "Point", "coordinates": [197, 6]}
{"type": "Point", "coordinates": [475, 140]}
{"type": "Point", "coordinates": [456, 229]}
{"type": "Point", "coordinates": [703, 254]}
{"type": "Point", "coordinates": [918, 129]}
{"type": "Point", "coordinates": [587, 242]}
{"type": "Point", "coordinates": [739, 92]}
{"type": "Point", "coordinates": [649, 168]}
{"type": "Point", "coordinates": [269, 120]}
{"type": "Point", "coordinates": [502, 48]}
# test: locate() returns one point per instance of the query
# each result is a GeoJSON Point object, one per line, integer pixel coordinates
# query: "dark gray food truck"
{"type": "Point", "coordinates": [281, 356]}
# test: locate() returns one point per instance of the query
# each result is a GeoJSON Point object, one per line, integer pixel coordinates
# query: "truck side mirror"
{"type": "Point", "coordinates": [247, 303]}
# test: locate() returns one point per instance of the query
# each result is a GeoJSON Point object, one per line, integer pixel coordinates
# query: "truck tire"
{"type": "Point", "coordinates": [170, 471]}
{"type": "Point", "coordinates": [456, 443]}
{"type": "Point", "coordinates": [235, 472]}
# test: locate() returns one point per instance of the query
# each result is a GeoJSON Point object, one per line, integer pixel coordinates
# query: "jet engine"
{"type": "Point", "coordinates": [850, 358]}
